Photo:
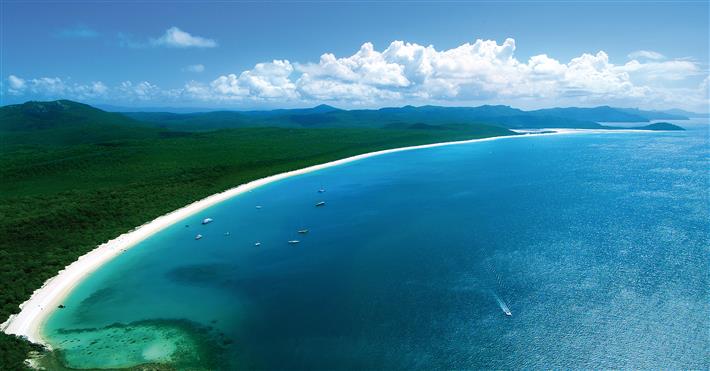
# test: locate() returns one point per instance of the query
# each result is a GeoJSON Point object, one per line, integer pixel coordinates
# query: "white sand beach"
{"type": "Point", "coordinates": [44, 300]}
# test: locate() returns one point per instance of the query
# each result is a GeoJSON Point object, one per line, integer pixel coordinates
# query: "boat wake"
{"type": "Point", "coordinates": [503, 306]}
{"type": "Point", "coordinates": [498, 285]}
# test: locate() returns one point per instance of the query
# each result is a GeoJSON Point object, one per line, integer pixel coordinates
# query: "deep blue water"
{"type": "Point", "coordinates": [598, 244]}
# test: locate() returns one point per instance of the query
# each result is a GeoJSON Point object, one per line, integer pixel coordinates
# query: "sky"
{"type": "Point", "coordinates": [356, 54]}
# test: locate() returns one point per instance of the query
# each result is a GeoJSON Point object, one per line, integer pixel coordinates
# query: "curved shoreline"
{"type": "Point", "coordinates": [39, 306]}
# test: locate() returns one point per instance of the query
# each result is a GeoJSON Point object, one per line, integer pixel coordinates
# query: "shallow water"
{"type": "Point", "coordinates": [598, 244]}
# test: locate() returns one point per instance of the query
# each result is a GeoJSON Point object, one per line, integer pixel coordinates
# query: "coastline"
{"type": "Point", "coordinates": [34, 312]}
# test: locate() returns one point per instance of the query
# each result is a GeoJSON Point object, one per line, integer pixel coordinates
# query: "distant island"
{"type": "Point", "coordinates": [75, 176]}
{"type": "Point", "coordinates": [660, 126]}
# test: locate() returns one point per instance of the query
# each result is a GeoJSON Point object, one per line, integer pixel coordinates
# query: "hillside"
{"type": "Point", "coordinates": [608, 114]}
{"type": "Point", "coordinates": [661, 126]}
{"type": "Point", "coordinates": [65, 122]}
{"type": "Point", "coordinates": [326, 116]}
{"type": "Point", "coordinates": [654, 115]}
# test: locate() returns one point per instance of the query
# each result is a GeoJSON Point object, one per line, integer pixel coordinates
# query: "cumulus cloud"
{"type": "Point", "coordinates": [177, 38]}
{"type": "Point", "coordinates": [482, 71]}
{"type": "Point", "coordinates": [269, 81]}
{"type": "Point", "coordinates": [666, 70]}
{"type": "Point", "coordinates": [55, 87]}
{"type": "Point", "coordinates": [195, 68]}
{"type": "Point", "coordinates": [646, 54]}
{"type": "Point", "coordinates": [16, 84]}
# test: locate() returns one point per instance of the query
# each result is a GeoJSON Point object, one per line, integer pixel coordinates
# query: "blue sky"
{"type": "Point", "coordinates": [289, 54]}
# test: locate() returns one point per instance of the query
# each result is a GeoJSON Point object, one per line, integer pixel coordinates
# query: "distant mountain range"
{"type": "Point", "coordinates": [328, 116]}
{"type": "Point", "coordinates": [66, 117]}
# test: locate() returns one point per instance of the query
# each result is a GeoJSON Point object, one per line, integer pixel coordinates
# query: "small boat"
{"type": "Point", "coordinates": [293, 242]}
{"type": "Point", "coordinates": [322, 203]}
{"type": "Point", "coordinates": [206, 220]}
{"type": "Point", "coordinates": [507, 312]}
{"type": "Point", "coordinates": [227, 233]}
{"type": "Point", "coordinates": [258, 206]}
{"type": "Point", "coordinates": [199, 236]}
{"type": "Point", "coordinates": [322, 190]}
{"type": "Point", "coordinates": [257, 244]}
{"type": "Point", "coordinates": [303, 231]}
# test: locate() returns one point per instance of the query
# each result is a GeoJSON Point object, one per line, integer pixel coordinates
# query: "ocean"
{"type": "Point", "coordinates": [597, 244]}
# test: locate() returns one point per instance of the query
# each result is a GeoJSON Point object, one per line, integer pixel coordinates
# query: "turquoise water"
{"type": "Point", "coordinates": [597, 243]}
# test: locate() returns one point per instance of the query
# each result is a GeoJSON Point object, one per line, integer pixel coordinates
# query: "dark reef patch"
{"type": "Point", "coordinates": [215, 275]}
{"type": "Point", "coordinates": [155, 344]}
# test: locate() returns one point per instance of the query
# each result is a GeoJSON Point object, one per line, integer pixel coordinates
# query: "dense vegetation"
{"type": "Point", "coordinates": [74, 176]}
{"type": "Point", "coordinates": [326, 116]}
{"type": "Point", "coordinates": [660, 126]}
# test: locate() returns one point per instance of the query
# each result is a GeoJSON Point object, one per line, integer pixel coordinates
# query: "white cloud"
{"type": "Point", "coordinates": [646, 54]}
{"type": "Point", "coordinates": [367, 66]}
{"type": "Point", "coordinates": [195, 68]}
{"type": "Point", "coordinates": [666, 70]}
{"type": "Point", "coordinates": [16, 84]}
{"type": "Point", "coordinates": [55, 87]}
{"type": "Point", "coordinates": [143, 90]}
{"type": "Point", "coordinates": [408, 73]}
{"type": "Point", "coordinates": [177, 38]}
{"type": "Point", "coordinates": [269, 81]}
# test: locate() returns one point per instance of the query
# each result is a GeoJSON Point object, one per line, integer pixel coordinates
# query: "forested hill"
{"type": "Point", "coordinates": [327, 116]}
{"type": "Point", "coordinates": [65, 122]}
{"type": "Point", "coordinates": [66, 117]}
